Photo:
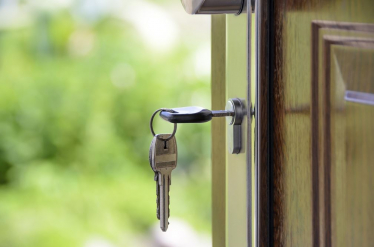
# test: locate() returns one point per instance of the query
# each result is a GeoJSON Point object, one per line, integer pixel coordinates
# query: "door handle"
{"type": "Point", "coordinates": [197, 7]}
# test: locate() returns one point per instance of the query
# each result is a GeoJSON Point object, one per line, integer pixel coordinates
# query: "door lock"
{"type": "Point", "coordinates": [235, 112]}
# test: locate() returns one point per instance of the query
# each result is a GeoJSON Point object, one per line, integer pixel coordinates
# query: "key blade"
{"type": "Point", "coordinates": [164, 182]}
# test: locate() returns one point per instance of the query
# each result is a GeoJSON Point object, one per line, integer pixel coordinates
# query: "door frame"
{"type": "Point", "coordinates": [222, 220]}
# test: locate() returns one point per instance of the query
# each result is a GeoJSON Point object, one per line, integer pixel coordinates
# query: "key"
{"type": "Point", "coordinates": [164, 160]}
{"type": "Point", "coordinates": [192, 114]}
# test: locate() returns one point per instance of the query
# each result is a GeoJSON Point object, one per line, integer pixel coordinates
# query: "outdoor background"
{"type": "Point", "coordinates": [79, 81]}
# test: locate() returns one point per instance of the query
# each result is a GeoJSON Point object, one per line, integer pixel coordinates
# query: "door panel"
{"type": "Point", "coordinates": [352, 142]}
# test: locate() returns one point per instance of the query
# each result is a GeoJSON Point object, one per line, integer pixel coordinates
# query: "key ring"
{"type": "Point", "coordinates": [151, 125]}
{"type": "Point", "coordinates": [241, 8]}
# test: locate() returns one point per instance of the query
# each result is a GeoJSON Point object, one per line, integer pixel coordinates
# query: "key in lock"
{"type": "Point", "coordinates": [235, 113]}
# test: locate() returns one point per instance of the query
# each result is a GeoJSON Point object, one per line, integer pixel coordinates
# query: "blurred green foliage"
{"type": "Point", "coordinates": [74, 133]}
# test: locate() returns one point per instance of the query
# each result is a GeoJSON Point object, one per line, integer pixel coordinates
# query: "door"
{"type": "Point", "coordinates": [310, 184]}
{"type": "Point", "coordinates": [316, 122]}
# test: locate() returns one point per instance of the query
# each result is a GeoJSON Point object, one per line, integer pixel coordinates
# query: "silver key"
{"type": "Point", "coordinates": [164, 160]}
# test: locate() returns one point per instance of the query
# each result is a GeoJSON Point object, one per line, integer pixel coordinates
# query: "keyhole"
{"type": "Point", "coordinates": [165, 145]}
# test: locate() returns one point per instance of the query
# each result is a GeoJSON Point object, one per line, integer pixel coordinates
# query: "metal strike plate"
{"type": "Point", "coordinates": [196, 7]}
{"type": "Point", "coordinates": [234, 128]}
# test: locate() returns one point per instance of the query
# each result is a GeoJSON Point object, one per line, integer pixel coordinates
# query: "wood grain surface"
{"type": "Point", "coordinates": [315, 143]}
{"type": "Point", "coordinates": [262, 121]}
